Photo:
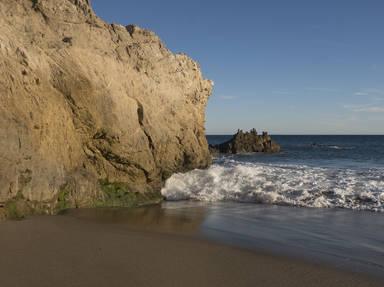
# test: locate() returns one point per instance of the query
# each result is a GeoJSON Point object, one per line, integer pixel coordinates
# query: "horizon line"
{"type": "Point", "coordinates": [300, 134]}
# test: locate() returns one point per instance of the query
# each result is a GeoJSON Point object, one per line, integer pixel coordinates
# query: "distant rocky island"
{"type": "Point", "coordinates": [247, 142]}
{"type": "Point", "coordinates": [92, 114]}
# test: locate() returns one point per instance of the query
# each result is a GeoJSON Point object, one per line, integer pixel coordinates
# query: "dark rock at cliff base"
{"type": "Point", "coordinates": [246, 142]}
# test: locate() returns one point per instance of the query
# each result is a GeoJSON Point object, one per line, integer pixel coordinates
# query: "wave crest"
{"type": "Point", "coordinates": [293, 185]}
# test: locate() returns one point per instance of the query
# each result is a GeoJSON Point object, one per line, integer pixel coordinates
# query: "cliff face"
{"type": "Point", "coordinates": [84, 104]}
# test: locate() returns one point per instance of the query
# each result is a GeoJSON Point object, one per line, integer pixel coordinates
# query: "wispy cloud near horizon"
{"type": "Point", "coordinates": [370, 92]}
{"type": "Point", "coordinates": [365, 108]}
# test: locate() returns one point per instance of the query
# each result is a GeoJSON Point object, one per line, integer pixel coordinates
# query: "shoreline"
{"type": "Point", "coordinates": [71, 250]}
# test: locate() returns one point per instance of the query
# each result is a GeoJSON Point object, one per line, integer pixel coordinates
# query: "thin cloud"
{"type": "Point", "coordinates": [370, 92]}
{"type": "Point", "coordinates": [361, 94]}
{"type": "Point", "coordinates": [365, 108]}
{"type": "Point", "coordinates": [370, 110]}
{"type": "Point", "coordinates": [375, 91]}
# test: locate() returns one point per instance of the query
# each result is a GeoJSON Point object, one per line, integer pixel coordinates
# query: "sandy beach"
{"type": "Point", "coordinates": [75, 251]}
{"type": "Point", "coordinates": [191, 143]}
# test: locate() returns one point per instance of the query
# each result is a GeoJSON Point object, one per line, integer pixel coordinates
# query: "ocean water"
{"type": "Point", "coordinates": [311, 171]}
{"type": "Point", "coordinates": [321, 198]}
{"type": "Point", "coordinates": [342, 238]}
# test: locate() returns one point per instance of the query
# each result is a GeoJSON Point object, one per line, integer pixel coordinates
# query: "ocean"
{"type": "Point", "coordinates": [321, 198]}
{"type": "Point", "coordinates": [311, 171]}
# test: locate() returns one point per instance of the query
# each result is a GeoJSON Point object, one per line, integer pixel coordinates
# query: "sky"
{"type": "Point", "coordinates": [288, 67]}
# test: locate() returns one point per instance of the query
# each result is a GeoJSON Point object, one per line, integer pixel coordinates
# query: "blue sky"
{"type": "Point", "coordinates": [289, 67]}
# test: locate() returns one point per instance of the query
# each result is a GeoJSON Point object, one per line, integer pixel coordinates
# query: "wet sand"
{"type": "Point", "coordinates": [77, 250]}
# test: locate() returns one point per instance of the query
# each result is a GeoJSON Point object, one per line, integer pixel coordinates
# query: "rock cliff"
{"type": "Point", "coordinates": [91, 112]}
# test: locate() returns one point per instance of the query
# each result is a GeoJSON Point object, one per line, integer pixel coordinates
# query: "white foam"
{"type": "Point", "coordinates": [280, 184]}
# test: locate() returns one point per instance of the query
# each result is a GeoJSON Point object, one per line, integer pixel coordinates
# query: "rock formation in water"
{"type": "Point", "coordinates": [91, 112]}
{"type": "Point", "coordinates": [247, 142]}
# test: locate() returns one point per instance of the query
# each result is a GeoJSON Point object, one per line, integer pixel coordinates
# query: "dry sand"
{"type": "Point", "coordinates": [71, 251]}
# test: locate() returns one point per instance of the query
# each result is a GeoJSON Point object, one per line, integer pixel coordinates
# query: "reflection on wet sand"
{"type": "Point", "coordinates": [343, 238]}
{"type": "Point", "coordinates": [186, 220]}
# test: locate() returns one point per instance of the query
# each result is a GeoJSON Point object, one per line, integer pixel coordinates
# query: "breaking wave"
{"type": "Point", "coordinates": [294, 185]}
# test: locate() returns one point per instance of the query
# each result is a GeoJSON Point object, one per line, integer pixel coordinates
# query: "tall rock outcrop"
{"type": "Point", "coordinates": [247, 142]}
{"type": "Point", "coordinates": [85, 104]}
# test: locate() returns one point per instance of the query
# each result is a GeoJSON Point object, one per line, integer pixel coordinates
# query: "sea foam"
{"type": "Point", "coordinates": [294, 185]}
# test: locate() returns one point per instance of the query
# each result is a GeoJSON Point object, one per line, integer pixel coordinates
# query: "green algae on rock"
{"type": "Point", "coordinates": [117, 194]}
